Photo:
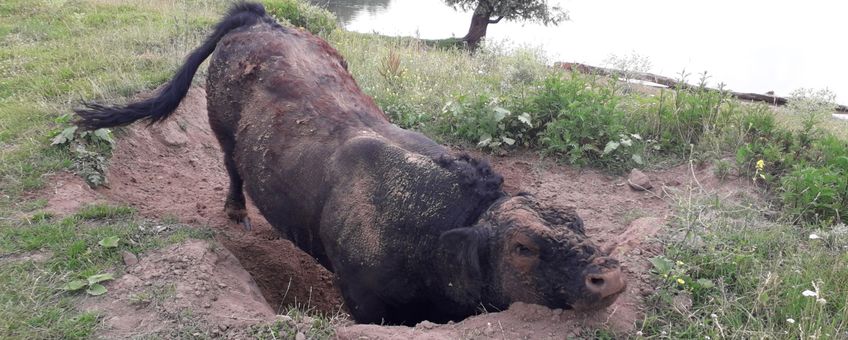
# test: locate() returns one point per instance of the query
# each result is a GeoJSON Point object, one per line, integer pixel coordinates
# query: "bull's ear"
{"type": "Point", "coordinates": [462, 249]}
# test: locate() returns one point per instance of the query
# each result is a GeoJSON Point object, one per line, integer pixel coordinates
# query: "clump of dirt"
{"type": "Point", "coordinates": [33, 256]}
{"type": "Point", "coordinates": [66, 193]}
{"type": "Point", "coordinates": [193, 287]}
{"type": "Point", "coordinates": [175, 169]}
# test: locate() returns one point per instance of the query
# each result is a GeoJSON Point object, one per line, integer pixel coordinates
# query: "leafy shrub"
{"type": "Point", "coordinates": [484, 121]}
{"type": "Point", "coordinates": [682, 117]}
{"type": "Point", "coordinates": [300, 14]}
{"type": "Point", "coordinates": [817, 188]}
{"type": "Point", "coordinates": [90, 149]}
{"type": "Point", "coordinates": [580, 119]}
{"type": "Point", "coordinates": [816, 194]}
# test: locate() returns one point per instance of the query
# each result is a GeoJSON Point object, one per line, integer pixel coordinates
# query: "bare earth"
{"type": "Point", "coordinates": [175, 170]}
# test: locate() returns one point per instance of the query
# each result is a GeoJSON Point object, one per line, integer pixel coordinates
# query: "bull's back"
{"type": "Point", "coordinates": [289, 102]}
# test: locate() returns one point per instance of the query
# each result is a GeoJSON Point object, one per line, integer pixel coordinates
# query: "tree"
{"type": "Point", "coordinates": [493, 11]}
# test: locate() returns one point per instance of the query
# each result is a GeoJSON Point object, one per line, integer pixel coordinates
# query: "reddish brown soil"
{"type": "Point", "coordinates": [175, 169]}
{"type": "Point", "coordinates": [192, 287]}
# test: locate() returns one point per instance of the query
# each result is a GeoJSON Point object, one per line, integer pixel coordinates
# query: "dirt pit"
{"type": "Point", "coordinates": [175, 170]}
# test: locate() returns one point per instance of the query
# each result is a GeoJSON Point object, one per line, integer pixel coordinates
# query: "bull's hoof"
{"type": "Point", "coordinates": [240, 217]}
{"type": "Point", "coordinates": [245, 222]}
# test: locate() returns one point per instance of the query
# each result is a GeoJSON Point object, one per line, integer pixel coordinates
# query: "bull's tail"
{"type": "Point", "coordinates": [154, 109]}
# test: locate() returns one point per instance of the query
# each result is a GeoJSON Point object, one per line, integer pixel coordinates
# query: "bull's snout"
{"type": "Point", "coordinates": [603, 282]}
{"type": "Point", "coordinates": [606, 284]}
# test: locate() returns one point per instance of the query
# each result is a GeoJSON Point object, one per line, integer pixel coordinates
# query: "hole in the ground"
{"type": "Point", "coordinates": [286, 276]}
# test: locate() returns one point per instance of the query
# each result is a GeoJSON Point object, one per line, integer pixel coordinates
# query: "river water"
{"type": "Point", "coordinates": [750, 45]}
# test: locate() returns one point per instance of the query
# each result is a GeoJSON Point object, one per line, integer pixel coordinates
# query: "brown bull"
{"type": "Point", "coordinates": [411, 232]}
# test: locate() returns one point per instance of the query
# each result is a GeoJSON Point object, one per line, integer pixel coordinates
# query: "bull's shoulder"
{"type": "Point", "coordinates": [379, 155]}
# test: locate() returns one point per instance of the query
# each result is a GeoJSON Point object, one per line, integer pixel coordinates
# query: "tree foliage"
{"type": "Point", "coordinates": [519, 10]}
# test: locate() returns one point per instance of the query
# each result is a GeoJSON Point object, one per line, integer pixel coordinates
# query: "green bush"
{"type": "Point", "coordinates": [817, 189]}
{"type": "Point", "coordinates": [580, 119]}
{"type": "Point", "coordinates": [485, 121]}
{"type": "Point", "coordinates": [815, 194]}
{"type": "Point", "coordinates": [300, 14]}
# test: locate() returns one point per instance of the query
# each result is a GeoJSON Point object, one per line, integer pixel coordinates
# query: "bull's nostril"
{"type": "Point", "coordinates": [606, 284]}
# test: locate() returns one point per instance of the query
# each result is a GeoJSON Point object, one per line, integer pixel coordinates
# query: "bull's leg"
{"type": "Point", "coordinates": [235, 204]}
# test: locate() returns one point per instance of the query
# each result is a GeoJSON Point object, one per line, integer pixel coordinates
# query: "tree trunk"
{"type": "Point", "coordinates": [479, 23]}
{"type": "Point", "coordinates": [756, 97]}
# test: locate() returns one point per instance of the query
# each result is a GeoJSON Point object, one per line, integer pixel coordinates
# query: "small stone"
{"type": "Point", "coordinates": [207, 305]}
{"type": "Point", "coordinates": [129, 258]}
{"type": "Point", "coordinates": [489, 331]}
{"type": "Point", "coordinates": [300, 336]}
{"type": "Point", "coordinates": [639, 181]}
{"type": "Point", "coordinates": [426, 325]}
{"type": "Point", "coordinates": [222, 285]}
{"type": "Point", "coordinates": [222, 327]}
{"type": "Point", "coordinates": [285, 319]}
{"type": "Point", "coordinates": [196, 293]}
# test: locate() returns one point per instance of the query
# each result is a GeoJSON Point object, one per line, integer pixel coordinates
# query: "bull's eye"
{"type": "Point", "coordinates": [523, 250]}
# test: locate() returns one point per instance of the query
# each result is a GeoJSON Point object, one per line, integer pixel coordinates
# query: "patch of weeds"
{"type": "Point", "coordinates": [298, 321]}
{"type": "Point", "coordinates": [37, 297]}
{"type": "Point", "coordinates": [33, 205]}
{"type": "Point", "coordinates": [41, 216]}
{"type": "Point", "coordinates": [766, 279]}
{"type": "Point", "coordinates": [484, 121]}
{"type": "Point", "coordinates": [722, 169]}
{"type": "Point", "coordinates": [92, 284]}
{"type": "Point", "coordinates": [90, 165]}
{"type": "Point", "coordinates": [302, 14]}
{"type": "Point", "coordinates": [154, 295]}
{"type": "Point", "coordinates": [805, 167]}
{"type": "Point", "coordinates": [580, 119]}
{"type": "Point", "coordinates": [103, 212]}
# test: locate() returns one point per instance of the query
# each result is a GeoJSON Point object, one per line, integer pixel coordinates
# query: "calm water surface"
{"type": "Point", "coordinates": [750, 45]}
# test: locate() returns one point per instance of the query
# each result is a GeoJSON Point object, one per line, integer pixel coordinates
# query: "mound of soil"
{"type": "Point", "coordinates": [175, 169]}
{"type": "Point", "coordinates": [193, 287]}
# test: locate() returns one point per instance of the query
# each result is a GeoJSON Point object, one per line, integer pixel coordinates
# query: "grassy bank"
{"type": "Point", "coordinates": [753, 255]}
{"type": "Point", "coordinates": [56, 53]}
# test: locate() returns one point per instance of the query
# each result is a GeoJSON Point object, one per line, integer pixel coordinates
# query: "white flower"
{"type": "Point", "coordinates": [821, 301]}
{"type": "Point", "coordinates": [713, 316]}
{"type": "Point", "coordinates": [814, 237]}
{"type": "Point", "coordinates": [790, 320]}
{"type": "Point", "coordinates": [809, 293]}
{"type": "Point", "coordinates": [639, 333]}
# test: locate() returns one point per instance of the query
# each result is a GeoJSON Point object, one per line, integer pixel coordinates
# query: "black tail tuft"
{"type": "Point", "coordinates": [159, 107]}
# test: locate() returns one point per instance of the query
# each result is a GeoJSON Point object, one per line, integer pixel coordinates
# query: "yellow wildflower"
{"type": "Point", "coordinates": [681, 282]}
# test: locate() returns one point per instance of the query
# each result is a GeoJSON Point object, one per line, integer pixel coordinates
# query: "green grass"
{"type": "Point", "coordinates": [34, 305]}
{"type": "Point", "coordinates": [760, 269]}
{"type": "Point", "coordinates": [56, 53]}
{"type": "Point", "coordinates": [295, 321]}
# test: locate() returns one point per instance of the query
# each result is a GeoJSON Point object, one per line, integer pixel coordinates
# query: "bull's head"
{"type": "Point", "coordinates": [521, 250]}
